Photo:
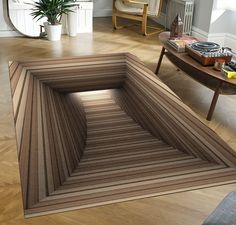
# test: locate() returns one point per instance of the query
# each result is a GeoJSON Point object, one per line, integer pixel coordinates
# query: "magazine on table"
{"type": "Point", "coordinates": [179, 43]}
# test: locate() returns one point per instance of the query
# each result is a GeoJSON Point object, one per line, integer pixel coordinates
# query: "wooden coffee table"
{"type": "Point", "coordinates": [205, 75]}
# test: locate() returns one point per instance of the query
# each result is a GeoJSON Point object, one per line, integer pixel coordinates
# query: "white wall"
{"type": "Point", "coordinates": [6, 29]}
{"type": "Point", "coordinates": [202, 14]}
{"type": "Point", "coordinates": [214, 24]}
{"type": "Point", "coordinates": [102, 8]}
{"type": "Point", "coordinates": [223, 20]}
{"type": "Point", "coordinates": [3, 24]}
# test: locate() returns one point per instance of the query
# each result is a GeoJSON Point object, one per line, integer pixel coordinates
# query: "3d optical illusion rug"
{"type": "Point", "coordinates": [78, 147]}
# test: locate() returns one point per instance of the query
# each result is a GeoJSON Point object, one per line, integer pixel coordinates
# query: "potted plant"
{"type": "Point", "coordinates": [52, 10]}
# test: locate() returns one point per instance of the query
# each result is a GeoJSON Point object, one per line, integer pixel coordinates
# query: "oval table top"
{"type": "Point", "coordinates": [188, 61]}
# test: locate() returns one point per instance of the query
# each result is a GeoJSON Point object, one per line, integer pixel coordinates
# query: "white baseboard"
{"type": "Point", "coordinates": [102, 12]}
{"type": "Point", "coordinates": [218, 38]}
{"type": "Point", "coordinates": [9, 33]}
{"type": "Point", "coordinates": [230, 41]}
{"type": "Point", "coordinates": [223, 39]}
{"type": "Point", "coordinates": [200, 34]}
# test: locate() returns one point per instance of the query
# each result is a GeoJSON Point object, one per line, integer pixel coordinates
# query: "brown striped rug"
{"type": "Point", "coordinates": [102, 129]}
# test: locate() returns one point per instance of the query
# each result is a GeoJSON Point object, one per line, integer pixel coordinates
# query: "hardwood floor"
{"type": "Point", "coordinates": [178, 209]}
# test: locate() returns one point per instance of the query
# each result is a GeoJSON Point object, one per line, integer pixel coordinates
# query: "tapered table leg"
{"type": "Point", "coordinates": [214, 101]}
{"type": "Point", "coordinates": [160, 60]}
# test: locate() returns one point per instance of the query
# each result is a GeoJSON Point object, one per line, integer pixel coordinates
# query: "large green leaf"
{"type": "Point", "coordinates": [51, 9]}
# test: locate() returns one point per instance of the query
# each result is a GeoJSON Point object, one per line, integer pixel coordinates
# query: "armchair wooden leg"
{"type": "Point", "coordinates": [144, 27]}
{"type": "Point", "coordinates": [144, 20]}
{"type": "Point", "coordinates": [114, 21]}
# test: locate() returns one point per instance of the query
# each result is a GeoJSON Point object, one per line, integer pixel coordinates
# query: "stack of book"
{"type": "Point", "coordinates": [179, 43]}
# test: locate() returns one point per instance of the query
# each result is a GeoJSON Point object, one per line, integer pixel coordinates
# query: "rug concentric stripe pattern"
{"type": "Point", "coordinates": [100, 129]}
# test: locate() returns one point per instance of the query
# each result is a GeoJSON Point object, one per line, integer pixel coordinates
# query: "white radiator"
{"type": "Point", "coordinates": [185, 10]}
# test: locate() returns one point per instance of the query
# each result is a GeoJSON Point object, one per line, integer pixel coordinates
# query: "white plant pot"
{"type": "Point", "coordinates": [53, 32]}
